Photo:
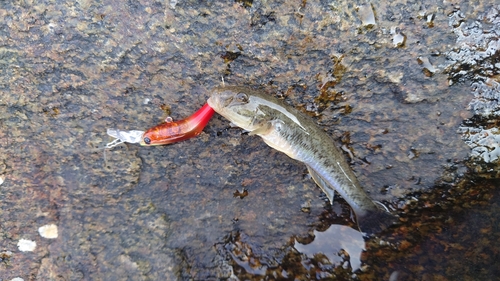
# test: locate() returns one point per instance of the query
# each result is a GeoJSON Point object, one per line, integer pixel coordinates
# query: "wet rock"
{"type": "Point", "coordinates": [68, 72]}
{"type": "Point", "coordinates": [477, 59]}
{"type": "Point", "coordinates": [485, 143]}
{"type": "Point", "coordinates": [398, 39]}
{"type": "Point", "coordinates": [428, 68]}
{"type": "Point", "coordinates": [366, 15]}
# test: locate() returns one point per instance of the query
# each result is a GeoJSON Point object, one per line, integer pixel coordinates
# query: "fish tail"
{"type": "Point", "coordinates": [375, 221]}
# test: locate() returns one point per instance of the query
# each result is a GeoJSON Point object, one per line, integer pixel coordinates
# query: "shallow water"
{"type": "Point", "coordinates": [398, 95]}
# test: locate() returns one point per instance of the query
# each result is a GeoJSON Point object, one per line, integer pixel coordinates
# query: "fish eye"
{"type": "Point", "coordinates": [241, 97]}
{"type": "Point", "coordinates": [147, 140]}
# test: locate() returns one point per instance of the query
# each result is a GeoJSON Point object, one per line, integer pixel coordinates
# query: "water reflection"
{"type": "Point", "coordinates": [333, 253]}
{"type": "Point", "coordinates": [339, 243]}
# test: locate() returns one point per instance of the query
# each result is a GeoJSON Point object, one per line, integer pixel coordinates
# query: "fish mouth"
{"type": "Point", "coordinates": [213, 102]}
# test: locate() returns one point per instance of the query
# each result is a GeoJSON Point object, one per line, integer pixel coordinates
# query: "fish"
{"type": "Point", "coordinates": [286, 129]}
{"type": "Point", "coordinates": [174, 131]}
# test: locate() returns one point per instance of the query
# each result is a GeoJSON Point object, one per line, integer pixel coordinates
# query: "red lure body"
{"type": "Point", "coordinates": [174, 131]}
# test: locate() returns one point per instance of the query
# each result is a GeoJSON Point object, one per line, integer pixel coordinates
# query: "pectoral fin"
{"type": "Point", "coordinates": [330, 192]}
{"type": "Point", "coordinates": [262, 130]}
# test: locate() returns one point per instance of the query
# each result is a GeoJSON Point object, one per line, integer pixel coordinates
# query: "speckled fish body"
{"type": "Point", "coordinates": [286, 129]}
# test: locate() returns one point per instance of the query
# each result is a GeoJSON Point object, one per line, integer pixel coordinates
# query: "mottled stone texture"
{"type": "Point", "coordinates": [69, 70]}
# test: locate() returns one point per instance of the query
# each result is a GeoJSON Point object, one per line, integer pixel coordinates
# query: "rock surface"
{"type": "Point", "coordinates": [395, 94]}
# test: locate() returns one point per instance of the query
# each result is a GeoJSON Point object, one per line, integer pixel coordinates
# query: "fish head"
{"type": "Point", "coordinates": [239, 106]}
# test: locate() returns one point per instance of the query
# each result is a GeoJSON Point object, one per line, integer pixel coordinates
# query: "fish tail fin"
{"type": "Point", "coordinates": [375, 221]}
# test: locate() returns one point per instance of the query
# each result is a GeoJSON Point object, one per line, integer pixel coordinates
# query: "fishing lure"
{"type": "Point", "coordinates": [174, 131]}
{"type": "Point", "coordinates": [164, 133]}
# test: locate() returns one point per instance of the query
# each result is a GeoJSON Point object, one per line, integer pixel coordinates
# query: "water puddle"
{"type": "Point", "coordinates": [341, 246]}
